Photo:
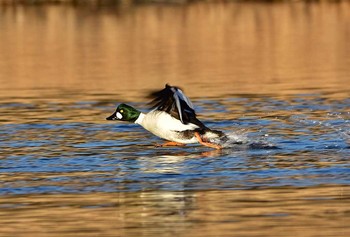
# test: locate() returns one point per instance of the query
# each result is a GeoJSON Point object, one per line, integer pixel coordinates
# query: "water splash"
{"type": "Point", "coordinates": [335, 125]}
{"type": "Point", "coordinates": [241, 139]}
{"type": "Point", "coordinates": [341, 125]}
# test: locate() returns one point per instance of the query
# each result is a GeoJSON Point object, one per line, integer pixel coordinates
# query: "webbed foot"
{"type": "Point", "coordinates": [208, 144]}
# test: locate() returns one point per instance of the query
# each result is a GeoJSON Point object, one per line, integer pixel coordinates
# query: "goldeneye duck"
{"type": "Point", "coordinates": [173, 118]}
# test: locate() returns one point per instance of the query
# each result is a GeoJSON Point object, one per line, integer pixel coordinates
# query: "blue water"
{"type": "Point", "coordinates": [297, 141]}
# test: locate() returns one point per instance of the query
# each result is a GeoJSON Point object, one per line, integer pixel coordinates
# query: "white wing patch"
{"type": "Point", "coordinates": [179, 95]}
{"type": "Point", "coordinates": [182, 96]}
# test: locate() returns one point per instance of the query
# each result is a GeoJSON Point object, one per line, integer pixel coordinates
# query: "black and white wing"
{"type": "Point", "coordinates": [174, 102]}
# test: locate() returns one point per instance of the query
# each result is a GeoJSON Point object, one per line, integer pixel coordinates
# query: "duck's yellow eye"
{"type": "Point", "coordinates": [121, 111]}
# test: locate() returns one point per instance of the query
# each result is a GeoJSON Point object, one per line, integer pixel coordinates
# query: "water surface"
{"type": "Point", "coordinates": [272, 75]}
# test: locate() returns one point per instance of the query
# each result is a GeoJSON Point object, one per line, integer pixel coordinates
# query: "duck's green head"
{"type": "Point", "coordinates": [125, 112]}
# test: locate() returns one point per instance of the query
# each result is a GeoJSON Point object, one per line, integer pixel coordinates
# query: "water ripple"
{"type": "Point", "coordinates": [298, 142]}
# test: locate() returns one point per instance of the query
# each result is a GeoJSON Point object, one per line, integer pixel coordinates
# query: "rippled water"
{"type": "Point", "coordinates": [66, 171]}
{"type": "Point", "coordinates": [301, 141]}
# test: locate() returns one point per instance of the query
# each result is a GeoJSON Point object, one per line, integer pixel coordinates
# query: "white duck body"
{"type": "Point", "coordinates": [167, 127]}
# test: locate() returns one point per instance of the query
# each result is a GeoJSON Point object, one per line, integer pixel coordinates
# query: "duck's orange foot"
{"type": "Point", "coordinates": [208, 144]}
{"type": "Point", "coordinates": [170, 144]}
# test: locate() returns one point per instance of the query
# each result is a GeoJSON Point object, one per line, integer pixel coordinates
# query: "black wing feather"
{"type": "Point", "coordinates": [173, 101]}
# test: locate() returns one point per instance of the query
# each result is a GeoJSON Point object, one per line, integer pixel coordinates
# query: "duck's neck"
{"type": "Point", "coordinates": [139, 120]}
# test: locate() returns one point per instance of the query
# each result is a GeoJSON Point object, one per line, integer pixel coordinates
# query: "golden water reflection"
{"type": "Point", "coordinates": [53, 57]}
{"type": "Point", "coordinates": [210, 49]}
{"type": "Point", "coordinates": [318, 211]}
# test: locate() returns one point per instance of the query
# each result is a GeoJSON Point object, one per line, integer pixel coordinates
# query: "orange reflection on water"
{"type": "Point", "coordinates": [321, 211]}
{"type": "Point", "coordinates": [210, 49]}
{"type": "Point", "coordinates": [54, 56]}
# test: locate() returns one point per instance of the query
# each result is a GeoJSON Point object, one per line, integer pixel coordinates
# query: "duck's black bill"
{"type": "Point", "coordinates": [112, 117]}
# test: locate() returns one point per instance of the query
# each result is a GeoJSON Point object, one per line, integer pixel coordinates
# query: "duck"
{"type": "Point", "coordinates": [172, 118]}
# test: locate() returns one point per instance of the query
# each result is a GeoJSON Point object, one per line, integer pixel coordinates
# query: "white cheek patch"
{"type": "Point", "coordinates": [119, 115]}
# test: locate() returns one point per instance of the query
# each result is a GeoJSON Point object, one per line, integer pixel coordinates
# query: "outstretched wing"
{"type": "Point", "coordinates": [173, 101]}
